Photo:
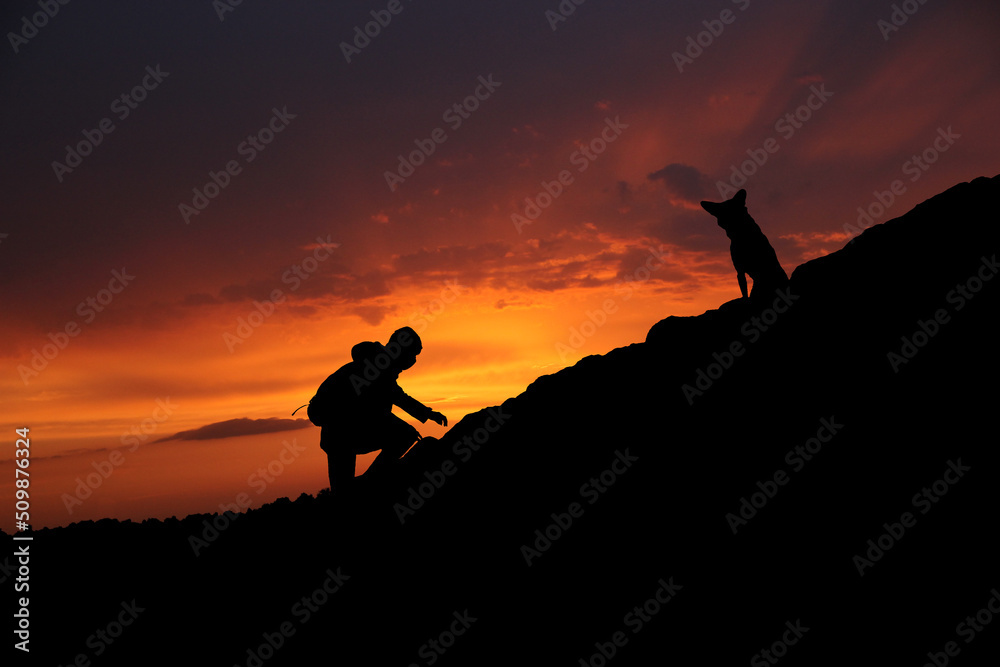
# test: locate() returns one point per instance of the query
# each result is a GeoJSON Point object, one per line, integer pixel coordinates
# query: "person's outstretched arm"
{"type": "Point", "coordinates": [417, 409]}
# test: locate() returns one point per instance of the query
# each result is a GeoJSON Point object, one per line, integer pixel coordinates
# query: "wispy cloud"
{"type": "Point", "coordinates": [232, 428]}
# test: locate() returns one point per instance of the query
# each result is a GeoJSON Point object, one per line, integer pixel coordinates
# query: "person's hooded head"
{"type": "Point", "coordinates": [403, 347]}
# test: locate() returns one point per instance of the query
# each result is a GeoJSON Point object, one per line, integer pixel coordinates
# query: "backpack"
{"type": "Point", "coordinates": [332, 397]}
{"type": "Point", "coordinates": [314, 411]}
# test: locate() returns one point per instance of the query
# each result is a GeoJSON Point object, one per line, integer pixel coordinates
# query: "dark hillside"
{"type": "Point", "coordinates": [633, 467]}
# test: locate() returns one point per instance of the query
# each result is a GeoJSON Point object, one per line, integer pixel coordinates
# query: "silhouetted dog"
{"type": "Point", "coordinates": [751, 251]}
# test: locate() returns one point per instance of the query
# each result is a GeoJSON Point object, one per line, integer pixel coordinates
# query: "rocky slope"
{"type": "Point", "coordinates": [814, 477]}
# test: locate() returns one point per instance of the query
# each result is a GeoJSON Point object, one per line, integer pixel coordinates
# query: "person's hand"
{"type": "Point", "coordinates": [439, 418]}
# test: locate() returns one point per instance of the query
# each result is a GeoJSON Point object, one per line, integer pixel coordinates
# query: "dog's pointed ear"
{"type": "Point", "coordinates": [740, 197]}
{"type": "Point", "coordinates": [710, 206]}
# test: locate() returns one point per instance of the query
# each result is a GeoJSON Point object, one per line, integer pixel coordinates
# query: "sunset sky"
{"type": "Point", "coordinates": [131, 315]}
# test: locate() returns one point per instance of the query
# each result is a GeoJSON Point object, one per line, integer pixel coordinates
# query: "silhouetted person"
{"type": "Point", "coordinates": [354, 407]}
{"type": "Point", "coordinates": [751, 251]}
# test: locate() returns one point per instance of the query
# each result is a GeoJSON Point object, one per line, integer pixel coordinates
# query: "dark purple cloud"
{"type": "Point", "coordinates": [233, 428]}
{"type": "Point", "coordinates": [684, 181]}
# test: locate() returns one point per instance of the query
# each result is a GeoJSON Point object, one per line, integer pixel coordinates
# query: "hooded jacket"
{"type": "Point", "coordinates": [365, 388]}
